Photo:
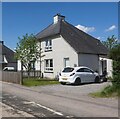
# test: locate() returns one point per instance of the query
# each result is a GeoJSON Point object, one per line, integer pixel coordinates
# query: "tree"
{"type": "Point", "coordinates": [110, 42]}
{"type": "Point", "coordinates": [115, 56]}
{"type": "Point", "coordinates": [28, 50]}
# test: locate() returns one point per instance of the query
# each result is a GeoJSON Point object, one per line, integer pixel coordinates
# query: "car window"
{"type": "Point", "coordinates": [87, 70]}
{"type": "Point", "coordinates": [84, 70]}
{"type": "Point", "coordinates": [68, 69]}
{"type": "Point", "coordinates": [80, 70]}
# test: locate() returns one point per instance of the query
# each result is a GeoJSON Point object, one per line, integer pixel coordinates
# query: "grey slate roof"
{"type": "Point", "coordinates": [80, 41]}
{"type": "Point", "coordinates": [9, 54]}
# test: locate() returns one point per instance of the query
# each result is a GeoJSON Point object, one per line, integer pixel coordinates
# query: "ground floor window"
{"type": "Point", "coordinates": [48, 65]}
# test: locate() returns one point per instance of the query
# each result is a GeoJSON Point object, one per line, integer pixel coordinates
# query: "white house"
{"type": "Point", "coordinates": [65, 45]}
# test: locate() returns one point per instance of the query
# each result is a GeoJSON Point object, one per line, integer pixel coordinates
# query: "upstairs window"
{"type": "Point", "coordinates": [48, 45]}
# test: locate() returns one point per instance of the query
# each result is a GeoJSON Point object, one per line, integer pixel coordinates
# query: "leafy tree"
{"type": "Point", "coordinates": [115, 55]}
{"type": "Point", "coordinates": [28, 50]}
{"type": "Point", "coordinates": [110, 42]}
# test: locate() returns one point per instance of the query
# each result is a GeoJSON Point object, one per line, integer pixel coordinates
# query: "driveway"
{"type": "Point", "coordinates": [67, 100]}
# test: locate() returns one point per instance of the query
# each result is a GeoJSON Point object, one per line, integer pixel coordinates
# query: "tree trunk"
{"type": "Point", "coordinates": [21, 73]}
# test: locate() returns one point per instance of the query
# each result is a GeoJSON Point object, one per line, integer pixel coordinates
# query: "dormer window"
{"type": "Point", "coordinates": [48, 45]}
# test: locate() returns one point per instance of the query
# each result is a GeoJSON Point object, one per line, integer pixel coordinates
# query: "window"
{"type": "Point", "coordinates": [68, 69]}
{"type": "Point", "coordinates": [87, 70]}
{"type": "Point", "coordinates": [80, 70]}
{"type": "Point", "coordinates": [49, 65]}
{"type": "Point", "coordinates": [84, 70]}
{"type": "Point", "coordinates": [48, 45]}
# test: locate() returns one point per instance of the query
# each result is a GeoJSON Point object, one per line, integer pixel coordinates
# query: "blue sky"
{"type": "Point", "coordinates": [97, 19]}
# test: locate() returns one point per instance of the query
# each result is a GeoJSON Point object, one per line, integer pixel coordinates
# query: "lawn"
{"type": "Point", "coordinates": [38, 82]}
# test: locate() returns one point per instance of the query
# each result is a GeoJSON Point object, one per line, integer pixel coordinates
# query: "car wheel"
{"type": "Point", "coordinates": [63, 83]}
{"type": "Point", "coordinates": [98, 79]}
{"type": "Point", "coordinates": [77, 81]}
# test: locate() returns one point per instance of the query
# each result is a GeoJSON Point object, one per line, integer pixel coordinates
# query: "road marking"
{"type": "Point", "coordinates": [55, 112]}
{"type": "Point", "coordinates": [47, 108]}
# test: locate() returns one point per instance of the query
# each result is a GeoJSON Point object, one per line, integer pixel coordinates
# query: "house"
{"type": "Point", "coordinates": [65, 45]}
{"type": "Point", "coordinates": [7, 57]}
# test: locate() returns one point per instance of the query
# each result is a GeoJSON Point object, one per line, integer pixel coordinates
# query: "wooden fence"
{"type": "Point", "coordinates": [13, 77]}
{"type": "Point", "coordinates": [31, 74]}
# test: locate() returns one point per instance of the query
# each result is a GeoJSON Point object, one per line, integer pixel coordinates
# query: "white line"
{"type": "Point", "coordinates": [51, 110]}
{"type": "Point", "coordinates": [58, 113]}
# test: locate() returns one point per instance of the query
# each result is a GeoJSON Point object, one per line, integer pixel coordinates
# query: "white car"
{"type": "Point", "coordinates": [8, 69]}
{"type": "Point", "coordinates": [78, 75]}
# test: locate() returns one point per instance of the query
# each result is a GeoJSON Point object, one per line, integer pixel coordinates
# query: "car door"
{"type": "Point", "coordinates": [80, 73]}
{"type": "Point", "coordinates": [89, 75]}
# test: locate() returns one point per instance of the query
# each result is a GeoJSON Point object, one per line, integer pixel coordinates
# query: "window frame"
{"type": "Point", "coordinates": [49, 68]}
{"type": "Point", "coordinates": [48, 45]}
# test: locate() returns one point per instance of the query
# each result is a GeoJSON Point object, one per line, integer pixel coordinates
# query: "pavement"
{"type": "Point", "coordinates": [8, 111]}
{"type": "Point", "coordinates": [60, 100]}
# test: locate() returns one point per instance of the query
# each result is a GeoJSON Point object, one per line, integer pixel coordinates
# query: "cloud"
{"type": "Point", "coordinates": [85, 28]}
{"type": "Point", "coordinates": [111, 28]}
{"type": "Point", "coordinates": [98, 38]}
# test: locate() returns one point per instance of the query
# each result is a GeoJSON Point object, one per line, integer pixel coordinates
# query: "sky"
{"type": "Point", "coordinates": [97, 19]}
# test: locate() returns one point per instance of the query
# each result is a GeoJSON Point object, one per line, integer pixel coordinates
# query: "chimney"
{"type": "Point", "coordinates": [2, 42]}
{"type": "Point", "coordinates": [58, 17]}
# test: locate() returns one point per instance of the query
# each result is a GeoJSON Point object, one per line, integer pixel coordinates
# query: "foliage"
{"type": "Point", "coordinates": [115, 55]}
{"type": "Point", "coordinates": [110, 42]}
{"type": "Point", "coordinates": [115, 52]}
{"type": "Point", "coordinates": [28, 50]}
{"type": "Point", "coordinates": [38, 82]}
{"type": "Point", "coordinates": [108, 91]}
{"type": "Point", "coordinates": [114, 89]}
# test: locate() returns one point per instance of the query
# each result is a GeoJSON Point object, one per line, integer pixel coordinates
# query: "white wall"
{"type": "Point", "coordinates": [89, 60]}
{"type": "Point", "coordinates": [60, 50]}
{"type": "Point", "coordinates": [18, 65]}
{"type": "Point", "coordinates": [108, 66]}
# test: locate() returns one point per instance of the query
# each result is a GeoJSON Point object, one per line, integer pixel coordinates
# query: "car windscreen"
{"type": "Point", "coordinates": [68, 69]}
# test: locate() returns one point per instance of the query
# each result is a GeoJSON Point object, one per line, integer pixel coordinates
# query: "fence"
{"type": "Point", "coordinates": [32, 74]}
{"type": "Point", "coordinates": [13, 77]}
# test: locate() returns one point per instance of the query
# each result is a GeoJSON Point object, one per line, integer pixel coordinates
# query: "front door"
{"type": "Point", "coordinates": [66, 62]}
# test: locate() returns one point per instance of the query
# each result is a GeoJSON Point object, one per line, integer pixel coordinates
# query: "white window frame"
{"type": "Point", "coordinates": [48, 68]}
{"type": "Point", "coordinates": [48, 45]}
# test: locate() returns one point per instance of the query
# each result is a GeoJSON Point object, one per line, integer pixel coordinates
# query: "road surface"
{"type": "Point", "coordinates": [59, 100]}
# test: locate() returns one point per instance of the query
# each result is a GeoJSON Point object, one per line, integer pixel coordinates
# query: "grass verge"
{"type": "Point", "coordinates": [108, 91]}
{"type": "Point", "coordinates": [38, 82]}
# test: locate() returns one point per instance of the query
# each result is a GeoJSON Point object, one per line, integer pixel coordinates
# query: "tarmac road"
{"type": "Point", "coordinates": [59, 100]}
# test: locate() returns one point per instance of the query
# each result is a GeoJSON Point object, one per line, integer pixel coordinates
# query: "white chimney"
{"type": "Point", "coordinates": [58, 17]}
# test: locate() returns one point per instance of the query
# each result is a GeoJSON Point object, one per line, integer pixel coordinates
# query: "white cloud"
{"type": "Point", "coordinates": [85, 28]}
{"type": "Point", "coordinates": [98, 38]}
{"type": "Point", "coordinates": [111, 28]}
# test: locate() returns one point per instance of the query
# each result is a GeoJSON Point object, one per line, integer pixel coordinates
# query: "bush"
{"type": "Point", "coordinates": [109, 91]}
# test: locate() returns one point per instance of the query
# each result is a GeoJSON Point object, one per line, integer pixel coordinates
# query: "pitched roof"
{"type": "Point", "coordinates": [80, 41]}
{"type": "Point", "coordinates": [9, 54]}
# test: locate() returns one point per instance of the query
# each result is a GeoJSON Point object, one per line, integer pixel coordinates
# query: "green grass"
{"type": "Point", "coordinates": [38, 82]}
{"type": "Point", "coordinates": [108, 91]}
